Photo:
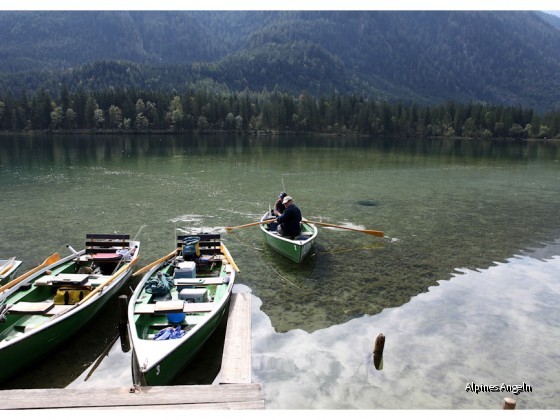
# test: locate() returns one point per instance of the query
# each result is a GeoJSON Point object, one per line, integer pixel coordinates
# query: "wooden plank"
{"type": "Point", "coordinates": [31, 307]}
{"type": "Point", "coordinates": [150, 308]}
{"type": "Point", "coordinates": [165, 306]}
{"type": "Point", "coordinates": [199, 307]}
{"type": "Point", "coordinates": [144, 308]}
{"type": "Point", "coordinates": [107, 236]}
{"type": "Point", "coordinates": [179, 396]}
{"type": "Point", "coordinates": [236, 359]}
{"type": "Point", "coordinates": [199, 281]}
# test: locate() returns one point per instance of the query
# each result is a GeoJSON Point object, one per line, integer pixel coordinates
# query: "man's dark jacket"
{"type": "Point", "coordinates": [290, 221]}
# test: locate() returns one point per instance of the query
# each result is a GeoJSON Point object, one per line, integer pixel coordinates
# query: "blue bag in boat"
{"type": "Point", "coordinates": [177, 333]}
{"type": "Point", "coordinates": [169, 333]}
{"type": "Point", "coordinates": [164, 334]}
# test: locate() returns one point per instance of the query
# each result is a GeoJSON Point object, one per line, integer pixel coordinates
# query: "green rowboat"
{"type": "Point", "coordinates": [177, 306]}
{"type": "Point", "coordinates": [295, 249]}
{"type": "Point", "coordinates": [45, 306]}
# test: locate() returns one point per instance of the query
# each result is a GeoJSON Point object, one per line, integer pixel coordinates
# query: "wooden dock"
{"type": "Point", "coordinates": [232, 389]}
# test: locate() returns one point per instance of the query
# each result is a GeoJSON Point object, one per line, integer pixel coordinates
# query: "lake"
{"type": "Point", "coordinates": [464, 285]}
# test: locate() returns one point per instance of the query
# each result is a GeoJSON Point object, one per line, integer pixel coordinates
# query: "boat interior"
{"type": "Point", "coordinates": [306, 230]}
{"type": "Point", "coordinates": [197, 279]}
{"type": "Point", "coordinates": [58, 289]}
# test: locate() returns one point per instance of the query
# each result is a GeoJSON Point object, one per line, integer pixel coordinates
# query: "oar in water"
{"type": "Point", "coordinates": [366, 231]}
{"type": "Point", "coordinates": [262, 222]}
{"type": "Point", "coordinates": [50, 260]}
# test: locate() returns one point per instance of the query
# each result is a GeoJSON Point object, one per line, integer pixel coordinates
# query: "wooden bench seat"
{"type": "Point", "coordinates": [200, 281]}
{"type": "Point", "coordinates": [106, 246]}
{"type": "Point", "coordinates": [150, 308]}
{"type": "Point", "coordinates": [31, 308]}
{"type": "Point", "coordinates": [69, 279]}
{"type": "Point", "coordinates": [62, 279]}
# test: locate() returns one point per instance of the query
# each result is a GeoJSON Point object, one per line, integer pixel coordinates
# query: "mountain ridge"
{"type": "Point", "coordinates": [507, 58]}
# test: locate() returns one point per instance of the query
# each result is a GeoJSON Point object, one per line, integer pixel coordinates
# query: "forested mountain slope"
{"type": "Point", "coordinates": [507, 57]}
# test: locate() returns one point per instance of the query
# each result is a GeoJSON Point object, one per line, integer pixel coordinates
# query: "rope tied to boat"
{"type": "Point", "coordinates": [159, 285]}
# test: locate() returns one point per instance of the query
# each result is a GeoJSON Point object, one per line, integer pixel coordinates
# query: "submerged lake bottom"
{"type": "Point", "coordinates": [463, 286]}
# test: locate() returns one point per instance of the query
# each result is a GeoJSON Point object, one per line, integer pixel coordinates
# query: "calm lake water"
{"type": "Point", "coordinates": [465, 284]}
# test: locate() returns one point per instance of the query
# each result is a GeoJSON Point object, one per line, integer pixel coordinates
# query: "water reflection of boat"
{"type": "Point", "coordinates": [47, 305]}
{"type": "Point", "coordinates": [295, 249]}
{"type": "Point", "coordinates": [177, 306]}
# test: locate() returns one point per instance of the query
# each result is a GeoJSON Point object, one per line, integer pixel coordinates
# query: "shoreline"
{"type": "Point", "coordinates": [257, 133]}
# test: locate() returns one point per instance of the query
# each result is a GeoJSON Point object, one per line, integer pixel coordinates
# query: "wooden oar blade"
{"type": "Point", "coordinates": [366, 231]}
{"type": "Point", "coordinates": [50, 260]}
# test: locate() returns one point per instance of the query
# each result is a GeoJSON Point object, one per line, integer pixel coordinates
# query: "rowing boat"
{"type": "Point", "coordinates": [42, 308]}
{"type": "Point", "coordinates": [177, 306]}
{"type": "Point", "coordinates": [8, 269]}
{"type": "Point", "coordinates": [295, 249]}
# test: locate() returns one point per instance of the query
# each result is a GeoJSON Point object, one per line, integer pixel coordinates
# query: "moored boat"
{"type": "Point", "coordinates": [8, 269]}
{"type": "Point", "coordinates": [177, 305]}
{"type": "Point", "coordinates": [44, 307]}
{"type": "Point", "coordinates": [296, 249]}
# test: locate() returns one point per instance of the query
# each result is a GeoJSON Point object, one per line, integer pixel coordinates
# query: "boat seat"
{"type": "Point", "coordinates": [150, 308]}
{"type": "Point", "coordinates": [105, 247]}
{"type": "Point", "coordinates": [31, 308]}
{"type": "Point", "coordinates": [62, 279]}
{"type": "Point", "coordinates": [199, 307]}
{"type": "Point", "coordinates": [200, 281]}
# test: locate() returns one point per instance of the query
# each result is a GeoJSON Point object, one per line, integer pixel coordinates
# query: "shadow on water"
{"type": "Point", "coordinates": [61, 367]}
{"type": "Point", "coordinates": [95, 358]}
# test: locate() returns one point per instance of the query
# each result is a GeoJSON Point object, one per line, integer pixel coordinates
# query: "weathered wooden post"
{"type": "Point", "coordinates": [123, 324]}
{"type": "Point", "coordinates": [378, 352]}
{"type": "Point", "coordinates": [508, 404]}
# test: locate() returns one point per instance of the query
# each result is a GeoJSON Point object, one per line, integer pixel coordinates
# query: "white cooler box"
{"type": "Point", "coordinates": [185, 270]}
{"type": "Point", "coordinates": [194, 295]}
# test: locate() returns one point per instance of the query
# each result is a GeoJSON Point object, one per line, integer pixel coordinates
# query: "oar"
{"type": "Point", "coordinates": [366, 231]}
{"type": "Point", "coordinates": [52, 259]}
{"type": "Point", "coordinates": [262, 222]}
{"type": "Point", "coordinates": [162, 259]}
{"type": "Point", "coordinates": [228, 257]}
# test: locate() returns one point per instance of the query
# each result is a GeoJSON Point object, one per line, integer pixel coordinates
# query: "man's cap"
{"type": "Point", "coordinates": [286, 199]}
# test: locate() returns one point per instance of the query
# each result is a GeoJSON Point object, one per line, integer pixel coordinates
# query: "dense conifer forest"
{"type": "Point", "coordinates": [203, 109]}
{"type": "Point", "coordinates": [425, 73]}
